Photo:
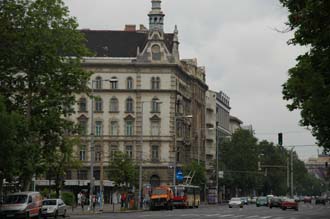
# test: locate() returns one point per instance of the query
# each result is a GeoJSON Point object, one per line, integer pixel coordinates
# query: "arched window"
{"type": "Point", "coordinates": [155, 50]}
{"type": "Point", "coordinates": [82, 104]}
{"type": "Point", "coordinates": [98, 83]}
{"type": "Point", "coordinates": [98, 104]}
{"type": "Point", "coordinates": [129, 105]}
{"type": "Point", "coordinates": [129, 83]}
{"type": "Point", "coordinates": [114, 105]}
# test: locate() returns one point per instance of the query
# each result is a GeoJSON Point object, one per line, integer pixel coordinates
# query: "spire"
{"type": "Point", "coordinates": [175, 49]}
{"type": "Point", "coordinates": [156, 16]}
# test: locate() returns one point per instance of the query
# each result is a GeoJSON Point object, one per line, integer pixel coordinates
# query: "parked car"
{"type": "Point", "coordinates": [53, 208]}
{"type": "Point", "coordinates": [245, 200]}
{"type": "Point", "coordinates": [289, 203]}
{"type": "Point", "coordinates": [261, 201]}
{"type": "Point", "coordinates": [254, 200]}
{"type": "Point", "coordinates": [235, 202]}
{"type": "Point", "coordinates": [21, 205]}
{"type": "Point", "coordinates": [275, 202]}
{"type": "Point", "coordinates": [307, 199]}
{"type": "Point", "coordinates": [320, 200]}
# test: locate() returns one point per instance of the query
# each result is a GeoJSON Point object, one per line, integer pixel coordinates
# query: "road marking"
{"type": "Point", "coordinates": [226, 215]}
{"type": "Point", "coordinates": [278, 217]}
{"type": "Point", "coordinates": [266, 217]}
{"type": "Point", "coordinates": [211, 215]}
{"type": "Point", "coordinates": [239, 216]}
{"type": "Point", "coordinates": [253, 216]}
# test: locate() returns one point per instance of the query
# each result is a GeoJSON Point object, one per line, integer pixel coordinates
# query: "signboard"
{"type": "Point", "coordinates": [220, 174]}
{"type": "Point", "coordinates": [179, 175]}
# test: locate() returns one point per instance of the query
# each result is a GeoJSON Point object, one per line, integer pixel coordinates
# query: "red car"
{"type": "Point", "coordinates": [289, 203]}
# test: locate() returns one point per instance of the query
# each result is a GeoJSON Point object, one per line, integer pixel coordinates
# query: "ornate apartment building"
{"type": "Point", "coordinates": [141, 88]}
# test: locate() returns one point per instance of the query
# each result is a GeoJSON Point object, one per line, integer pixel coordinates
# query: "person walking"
{"type": "Point", "coordinates": [83, 200]}
{"type": "Point", "coordinates": [123, 200]}
{"type": "Point", "coordinates": [94, 202]}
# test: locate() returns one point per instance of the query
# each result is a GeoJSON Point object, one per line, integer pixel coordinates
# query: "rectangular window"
{"type": "Point", "coordinates": [97, 174]}
{"type": "Point", "coordinates": [82, 153]}
{"type": "Point", "coordinates": [82, 174]}
{"type": "Point", "coordinates": [83, 127]}
{"type": "Point", "coordinates": [155, 128]}
{"type": "Point", "coordinates": [113, 151]}
{"type": "Point", "coordinates": [68, 175]}
{"type": "Point", "coordinates": [129, 128]}
{"type": "Point", "coordinates": [98, 153]}
{"type": "Point", "coordinates": [155, 152]}
{"type": "Point", "coordinates": [114, 84]}
{"type": "Point", "coordinates": [98, 128]}
{"type": "Point", "coordinates": [114, 128]}
{"type": "Point", "coordinates": [98, 105]}
{"type": "Point", "coordinates": [129, 151]}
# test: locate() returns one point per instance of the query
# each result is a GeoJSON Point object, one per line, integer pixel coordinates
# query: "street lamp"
{"type": "Point", "coordinates": [93, 150]}
{"type": "Point", "coordinates": [175, 149]}
{"type": "Point", "coordinates": [141, 153]}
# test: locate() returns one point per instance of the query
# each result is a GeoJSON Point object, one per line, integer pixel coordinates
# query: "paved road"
{"type": "Point", "coordinates": [217, 212]}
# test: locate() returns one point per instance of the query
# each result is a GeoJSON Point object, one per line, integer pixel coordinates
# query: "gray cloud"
{"type": "Point", "coordinates": [236, 41]}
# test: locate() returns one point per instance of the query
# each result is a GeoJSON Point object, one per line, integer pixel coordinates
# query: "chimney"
{"type": "Point", "coordinates": [130, 27]}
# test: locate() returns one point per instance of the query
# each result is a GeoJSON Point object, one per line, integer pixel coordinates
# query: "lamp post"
{"type": "Point", "coordinates": [175, 149]}
{"type": "Point", "coordinates": [93, 151]}
{"type": "Point", "coordinates": [141, 153]}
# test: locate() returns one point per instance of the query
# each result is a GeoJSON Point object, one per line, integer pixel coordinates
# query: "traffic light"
{"type": "Point", "coordinates": [326, 164]}
{"type": "Point", "coordinates": [280, 139]}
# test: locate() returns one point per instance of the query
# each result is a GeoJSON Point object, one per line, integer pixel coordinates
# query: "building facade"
{"type": "Point", "coordinates": [148, 103]}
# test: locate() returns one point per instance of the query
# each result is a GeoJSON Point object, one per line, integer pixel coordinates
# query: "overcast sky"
{"type": "Point", "coordinates": [237, 43]}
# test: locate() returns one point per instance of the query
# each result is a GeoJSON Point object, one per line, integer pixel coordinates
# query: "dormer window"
{"type": "Point", "coordinates": [156, 55]}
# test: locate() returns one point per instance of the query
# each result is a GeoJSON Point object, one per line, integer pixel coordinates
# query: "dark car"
{"type": "Point", "coordinates": [289, 204]}
{"type": "Point", "coordinates": [320, 200]}
{"type": "Point", "coordinates": [275, 202]}
{"type": "Point", "coordinates": [261, 201]}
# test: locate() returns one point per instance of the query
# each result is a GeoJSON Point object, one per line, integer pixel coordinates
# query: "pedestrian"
{"type": "Point", "coordinates": [83, 200]}
{"type": "Point", "coordinates": [79, 198]}
{"type": "Point", "coordinates": [123, 199]}
{"type": "Point", "coordinates": [94, 202]}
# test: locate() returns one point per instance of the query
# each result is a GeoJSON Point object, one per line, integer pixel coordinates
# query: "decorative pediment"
{"type": "Point", "coordinates": [155, 118]}
{"type": "Point", "coordinates": [129, 117]}
{"type": "Point", "coordinates": [82, 117]}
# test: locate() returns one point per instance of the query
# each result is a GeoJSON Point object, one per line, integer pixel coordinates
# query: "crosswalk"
{"type": "Point", "coordinates": [226, 216]}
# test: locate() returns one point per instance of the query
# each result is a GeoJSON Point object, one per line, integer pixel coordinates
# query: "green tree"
{"type": "Point", "coordinates": [40, 73]}
{"type": "Point", "coordinates": [308, 86]}
{"type": "Point", "coordinates": [123, 171]}
{"type": "Point", "coordinates": [275, 178]}
{"type": "Point", "coordinates": [12, 124]}
{"type": "Point", "coordinates": [197, 171]}
{"type": "Point", "coordinates": [239, 158]}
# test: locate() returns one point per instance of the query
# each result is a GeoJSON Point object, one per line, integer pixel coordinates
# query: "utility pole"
{"type": "Point", "coordinates": [174, 150]}
{"type": "Point", "coordinates": [292, 172]}
{"type": "Point", "coordinates": [92, 149]}
{"type": "Point", "coordinates": [217, 163]}
{"type": "Point", "coordinates": [140, 158]}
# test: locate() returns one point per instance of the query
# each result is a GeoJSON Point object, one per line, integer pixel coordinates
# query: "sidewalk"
{"type": "Point", "coordinates": [107, 208]}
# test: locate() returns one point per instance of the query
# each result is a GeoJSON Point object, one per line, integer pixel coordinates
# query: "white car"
{"type": "Point", "coordinates": [235, 202]}
{"type": "Point", "coordinates": [53, 208]}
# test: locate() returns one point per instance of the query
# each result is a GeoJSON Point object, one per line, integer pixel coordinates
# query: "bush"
{"type": "Point", "coordinates": [68, 198]}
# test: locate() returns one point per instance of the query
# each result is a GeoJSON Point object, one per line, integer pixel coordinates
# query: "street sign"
{"type": "Point", "coordinates": [179, 175]}
{"type": "Point", "coordinates": [220, 174]}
